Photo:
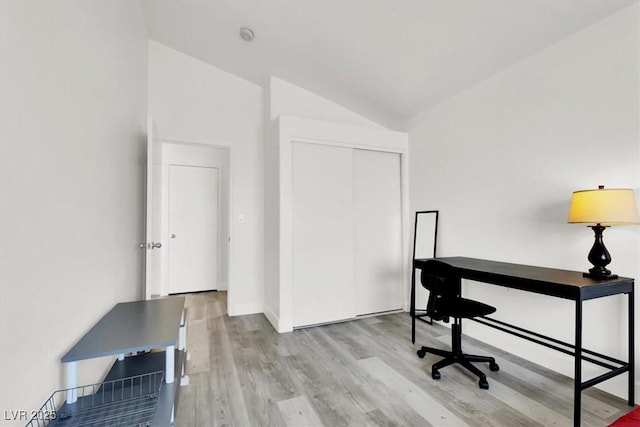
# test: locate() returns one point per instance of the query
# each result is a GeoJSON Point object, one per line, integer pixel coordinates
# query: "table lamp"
{"type": "Point", "coordinates": [602, 208]}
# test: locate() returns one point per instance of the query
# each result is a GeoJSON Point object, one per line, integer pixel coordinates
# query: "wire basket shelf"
{"type": "Point", "coordinates": [129, 402]}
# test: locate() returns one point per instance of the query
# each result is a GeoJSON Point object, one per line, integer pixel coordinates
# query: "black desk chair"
{"type": "Point", "coordinates": [445, 302]}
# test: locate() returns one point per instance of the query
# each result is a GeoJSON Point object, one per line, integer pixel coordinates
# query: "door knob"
{"type": "Point", "coordinates": [151, 245]}
{"type": "Point", "coordinates": [173, 236]}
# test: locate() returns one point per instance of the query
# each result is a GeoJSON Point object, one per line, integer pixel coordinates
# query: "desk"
{"type": "Point", "coordinates": [564, 284]}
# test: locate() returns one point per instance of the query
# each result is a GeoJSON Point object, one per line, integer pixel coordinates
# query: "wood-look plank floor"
{"type": "Point", "coordinates": [360, 373]}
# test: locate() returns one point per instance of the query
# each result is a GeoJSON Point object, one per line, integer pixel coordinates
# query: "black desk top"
{"type": "Point", "coordinates": [548, 281]}
{"type": "Point", "coordinates": [130, 327]}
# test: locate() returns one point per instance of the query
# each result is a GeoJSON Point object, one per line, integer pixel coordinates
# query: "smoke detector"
{"type": "Point", "coordinates": [246, 34]}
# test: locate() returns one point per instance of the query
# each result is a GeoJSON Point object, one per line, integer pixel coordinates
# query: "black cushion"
{"type": "Point", "coordinates": [466, 308]}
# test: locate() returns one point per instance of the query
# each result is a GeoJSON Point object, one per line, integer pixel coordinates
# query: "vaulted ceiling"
{"type": "Point", "coordinates": [386, 60]}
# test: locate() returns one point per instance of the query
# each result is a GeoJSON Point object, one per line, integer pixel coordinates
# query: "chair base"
{"type": "Point", "coordinates": [457, 356]}
{"type": "Point", "coordinates": [462, 359]}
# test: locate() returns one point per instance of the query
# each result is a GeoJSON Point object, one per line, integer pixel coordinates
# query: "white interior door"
{"type": "Point", "coordinates": [152, 232]}
{"type": "Point", "coordinates": [378, 231]}
{"type": "Point", "coordinates": [323, 272]}
{"type": "Point", "coordinates": [193, 229]}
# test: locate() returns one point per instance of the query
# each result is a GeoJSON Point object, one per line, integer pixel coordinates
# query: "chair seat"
{"type": "Point", "coordinates": [466, 308]}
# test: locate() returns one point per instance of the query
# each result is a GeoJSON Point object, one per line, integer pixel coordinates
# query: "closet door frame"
{"type": "Point", "coordinates": [295, 129]}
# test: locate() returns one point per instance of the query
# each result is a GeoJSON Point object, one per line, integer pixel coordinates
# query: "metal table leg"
{"type": "Point", "coordinates": [631, 331]}
{"type": "Point", "coordinates": [577, 378]}
{"type": "Point", "coordinates": [72, 381]}
{"type": "Point", "coordinates": [169, 373]}
{"type": "Point", "coordinates": [412, 309]}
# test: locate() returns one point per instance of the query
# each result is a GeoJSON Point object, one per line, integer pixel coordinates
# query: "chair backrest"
{"type": "Point", "coordinates": [443, 284]}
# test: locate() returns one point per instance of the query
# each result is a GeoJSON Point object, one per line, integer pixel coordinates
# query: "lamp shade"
{"type": "Point", "coordinates": [611, 206]}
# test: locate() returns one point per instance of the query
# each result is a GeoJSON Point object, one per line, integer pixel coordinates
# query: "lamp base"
{"type": "Point", "coordinates": [596, 276]}
{"type": "Point", "coordinates": [599, 257]}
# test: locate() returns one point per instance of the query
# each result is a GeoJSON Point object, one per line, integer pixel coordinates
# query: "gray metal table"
{"type": "Point", "coordinates": [128, 328]}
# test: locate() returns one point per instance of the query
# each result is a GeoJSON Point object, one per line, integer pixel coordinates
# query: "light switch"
{"type": "Point", "coordinates": [241, 218]}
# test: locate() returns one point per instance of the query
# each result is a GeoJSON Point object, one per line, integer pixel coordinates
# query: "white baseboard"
{"type": "Point", "coordinates": [271, 317]}
{"type": "Point", "coordinates": [277, 323]}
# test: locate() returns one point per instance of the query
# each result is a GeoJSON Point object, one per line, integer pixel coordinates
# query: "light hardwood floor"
{"type": "Point", "coordinates": [360, 373]}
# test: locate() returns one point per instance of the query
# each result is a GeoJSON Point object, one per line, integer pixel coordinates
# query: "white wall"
{"type": "Point", "coordinates": [194, 102]}
{"type": "Point", "coordinates": [288, 99]}
{"type": "Point", "coordinates": [73, 113]}
{"type": "Point", "coordinates": [501, 159]}
{"type": "Point", "coordinates": [284, 98]}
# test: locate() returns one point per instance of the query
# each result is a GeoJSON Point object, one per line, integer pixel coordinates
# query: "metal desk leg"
{"type": "Point", "coordinates": [169, 373]}
{"type": "Point", "coordinates": [577, 378]}
{"type": "Point", "coordinates": [182, 346]}
{"type": "Point", "coordinates": [412, 309]}
{"type": "Point", "coordinates": [72, 382]}
{"type": "Point", "coordinates": [631, 331]}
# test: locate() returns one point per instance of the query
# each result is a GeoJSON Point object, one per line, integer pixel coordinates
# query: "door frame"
{"type": "Point", "coordinates": [230, 226]}
{"type": "Point", "coordinates": [150, 261]}
{"type": "Point", "coordinates": [295, 129]}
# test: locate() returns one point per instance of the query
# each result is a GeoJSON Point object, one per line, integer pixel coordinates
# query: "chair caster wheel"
{"type": "Point", "coordinates": [483, 384]}
{"type": "Point", "coordinates": [421, 353]}
{"type": "Point", "coordinates": [494, 366]}
{"type": "Point", "coordinates": [435, 375]}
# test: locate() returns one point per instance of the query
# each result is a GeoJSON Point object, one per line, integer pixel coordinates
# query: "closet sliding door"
{"type": "Point", "coordinates": [378, 231]}
{"type": "Point", "coordinates": [337, 208]}
{"type": "Point", "coordinates": [323, 234]}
